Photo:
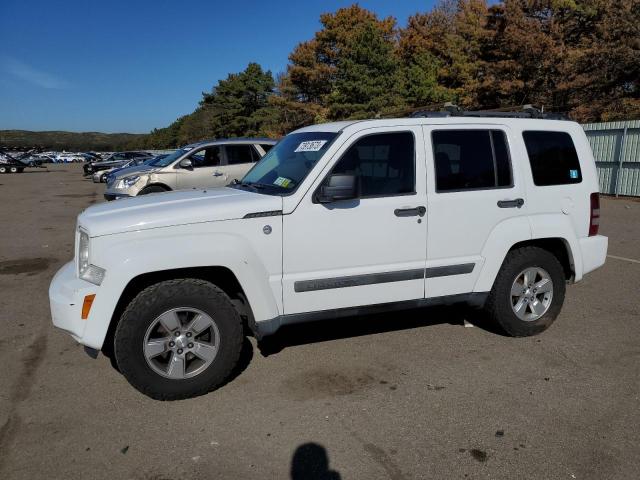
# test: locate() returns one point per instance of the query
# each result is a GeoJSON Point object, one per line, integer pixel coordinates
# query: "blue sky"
{"type": "Point", "coordinates": [116, 66]}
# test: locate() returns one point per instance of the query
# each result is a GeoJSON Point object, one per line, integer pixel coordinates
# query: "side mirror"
{"type": "Point", "coordinates": [186, 163]}
{"type": "Point", "coordinates": [337, 187]}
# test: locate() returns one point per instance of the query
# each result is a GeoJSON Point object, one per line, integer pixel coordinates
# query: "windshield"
{"type": "Point", "coordinates": [287, 164]}
{"type": "Point", "coordinates": [169, 159]}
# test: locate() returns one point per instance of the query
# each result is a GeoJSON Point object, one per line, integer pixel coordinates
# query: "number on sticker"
{"type": "Point", "coordinates": [310, 146]}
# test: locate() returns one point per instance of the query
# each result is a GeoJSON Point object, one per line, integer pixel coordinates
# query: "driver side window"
{"type": "Point", "coordinates": [207, 157]}
{"type": "Point", "coordinates": [384, 164]}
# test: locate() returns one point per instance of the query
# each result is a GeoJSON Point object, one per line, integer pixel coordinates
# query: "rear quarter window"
{"type": "Point", "coordinates": [553, 158]}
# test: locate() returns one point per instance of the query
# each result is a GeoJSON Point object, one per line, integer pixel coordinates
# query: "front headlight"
{"type": "Point", "coordinates": [127, 182]}
{"type": "Point", "coordinates": [86, 271]}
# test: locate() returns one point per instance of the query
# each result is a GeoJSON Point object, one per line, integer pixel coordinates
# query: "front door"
{"type": "Point", "coordinates": [205, 171]}
{"type": "Point", "coordinates": [370, 250]}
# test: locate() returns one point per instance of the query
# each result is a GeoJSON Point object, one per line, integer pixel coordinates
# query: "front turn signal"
{"type": "Point", "coordinates": [86, 305]}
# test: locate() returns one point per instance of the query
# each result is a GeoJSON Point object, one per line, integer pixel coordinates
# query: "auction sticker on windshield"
{"type": "Point", "coordinates": [310, 146]}
{"type": "Point", "coordinates": [282, 182]}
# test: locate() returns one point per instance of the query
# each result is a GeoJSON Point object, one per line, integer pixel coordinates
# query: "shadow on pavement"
{"type": "Point", "coordinates": [349, 327]}
{"type": "Point", "coordinates": [311, 462]}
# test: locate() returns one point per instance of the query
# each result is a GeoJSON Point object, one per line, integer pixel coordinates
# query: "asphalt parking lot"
{"type": "Point", "coordinates": [412, 395]}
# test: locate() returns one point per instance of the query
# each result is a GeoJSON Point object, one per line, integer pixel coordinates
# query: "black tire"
{"type": "Point", "coordinates": [152, 189]}
{"type": "Point", "coordinates": [14, 169]}
{"type": "Point", "coordinates": [145, 308]}
{"type": "Point", "coordinates": [499, 303]}
{"type": "Point", "coordinates": [3, 169]}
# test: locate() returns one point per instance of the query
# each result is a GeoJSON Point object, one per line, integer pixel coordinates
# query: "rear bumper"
{"type": "Point", "coordinates": [594, 252]}
{"type": "Point", "coordinates": [66, 295]}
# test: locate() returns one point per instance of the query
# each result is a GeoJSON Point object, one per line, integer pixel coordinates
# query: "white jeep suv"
{"type": "Point", "coordinates": [338, 219]}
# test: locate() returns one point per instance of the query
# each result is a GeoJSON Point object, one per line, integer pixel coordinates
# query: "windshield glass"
{"type": "Point", "coordinates": [287, 164]}
{"type": "Point", "coordinates": [169, 159]}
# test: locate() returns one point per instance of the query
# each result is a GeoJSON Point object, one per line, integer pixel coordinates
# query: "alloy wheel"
{"type": "Point", "coordinates": [531, 294]}
{"type": "Point", "coordinates": [181, 343]}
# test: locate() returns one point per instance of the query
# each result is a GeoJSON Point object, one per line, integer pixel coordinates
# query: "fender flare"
{"type": "Point", "coordinates": [517, 230]}
{"type": "Point", "coordinates": [130, 257]}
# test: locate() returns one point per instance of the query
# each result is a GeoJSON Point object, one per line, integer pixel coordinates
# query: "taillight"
{"type": "Point", "coordinates": [594, 222]}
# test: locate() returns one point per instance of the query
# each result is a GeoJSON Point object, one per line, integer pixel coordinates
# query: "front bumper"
{"type": "Point", "coordinates": [66, 295]}
{"type": "Point", "coordinates": [115, 196]}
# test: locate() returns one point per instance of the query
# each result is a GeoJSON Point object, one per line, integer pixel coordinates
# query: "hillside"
{"type": "Point", "coordinates": [71, 141]}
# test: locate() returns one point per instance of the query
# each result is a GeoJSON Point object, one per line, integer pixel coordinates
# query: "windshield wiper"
{"type": "Point", "coordinates": [257, 186]}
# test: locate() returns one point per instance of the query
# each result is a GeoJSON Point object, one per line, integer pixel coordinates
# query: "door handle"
{"type": "Point", "coordinates": [410, 212]}
{"type": "Point", "coordinates": [518, 202]}
{"type": "Point", "coordinates": [218, 174]}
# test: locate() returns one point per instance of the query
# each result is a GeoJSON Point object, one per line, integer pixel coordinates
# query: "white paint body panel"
{"type": "Point", "coordinates": [460, 222]}
{"type": "Point", "coordinates": [358, 237]}
{"type": "Point", "coordinates": [313, 241]}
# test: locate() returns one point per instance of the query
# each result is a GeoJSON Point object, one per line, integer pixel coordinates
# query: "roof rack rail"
{"type": "Point", "coordinates": [451, 110]}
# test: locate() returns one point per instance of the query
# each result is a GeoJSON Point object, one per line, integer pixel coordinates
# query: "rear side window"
{"type": "Point", "coordinates": [241, 154]}
{"type": "Point", "coordinates": [266, 147]}
{"type": "Point", "coordinates": [384, 164]}
{"type": "Point", "coordinates": [471, 160]}
{"type": "Point", "coordinates": [553, 158]}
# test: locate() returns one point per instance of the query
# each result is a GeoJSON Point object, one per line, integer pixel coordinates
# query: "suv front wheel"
{"type": "Point", "coordinates": [528, 292]}
{"type": "Point", "coordinates": [178, 339]}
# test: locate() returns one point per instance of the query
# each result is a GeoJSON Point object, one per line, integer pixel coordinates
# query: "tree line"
{"type": "Point", "coordinates": [69, 141]}
{"type": "Point", "coordinates": [581, 57]}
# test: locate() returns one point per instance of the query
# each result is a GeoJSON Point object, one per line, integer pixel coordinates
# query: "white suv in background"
{"type": "Point", "coordinates": [338, 219]}
{"type": "Point", "coordinates": [207, 164]}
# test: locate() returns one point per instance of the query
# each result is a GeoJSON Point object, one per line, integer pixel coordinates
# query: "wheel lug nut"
{"type": "Point", "coordinates": [172, 344]}
{"type": "Point", "coordinates": [191, 345]}
{"type": "Point", "coordinates": [179, 351]}
{"type": "Point", "coordinates": [188, 334]}
{"type": "Point", "coordinates": [177, 334]}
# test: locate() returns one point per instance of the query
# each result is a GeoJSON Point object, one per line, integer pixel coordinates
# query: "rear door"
{"type": "Point", "coordinates": [238, 160]}
{"type": "Point", "coordinates": [472, 187]}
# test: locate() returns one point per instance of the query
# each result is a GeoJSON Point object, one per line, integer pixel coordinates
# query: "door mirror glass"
{"type": "Point", "coordinates": [186, 163]}
{"type": "Point", "coordinates": [338, 187]}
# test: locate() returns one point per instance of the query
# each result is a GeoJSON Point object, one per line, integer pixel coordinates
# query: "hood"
{"type": "Point", "coordinates": [125, 172]}
{"type": "Point", "coordinates": [174, 208]}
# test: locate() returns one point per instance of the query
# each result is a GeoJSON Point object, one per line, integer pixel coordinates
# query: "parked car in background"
{"type": "Point", "coordinates": [101, 175]}
{"type": "Point", "coordinates": [133, 168]}
{"type": "Point", "coordinates": [67, 157]}
{"type": "Point", "coordinates": [45, 158]}
{"type": "Point", "coordinates": [91, 157]}
{"type": "Point", "coordinates": [213, 163]}
{"type": "Point", "coordinates": [114, 160]}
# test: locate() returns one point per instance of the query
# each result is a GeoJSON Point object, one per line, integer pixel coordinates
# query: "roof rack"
{"type": "Point", "coordinates": [451, 110]}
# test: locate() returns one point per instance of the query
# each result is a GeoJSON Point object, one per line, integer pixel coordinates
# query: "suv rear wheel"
{"type": "Point", "coordinates": [178, 339]}
{"type": "Point", "coordinates": [528, 292]}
